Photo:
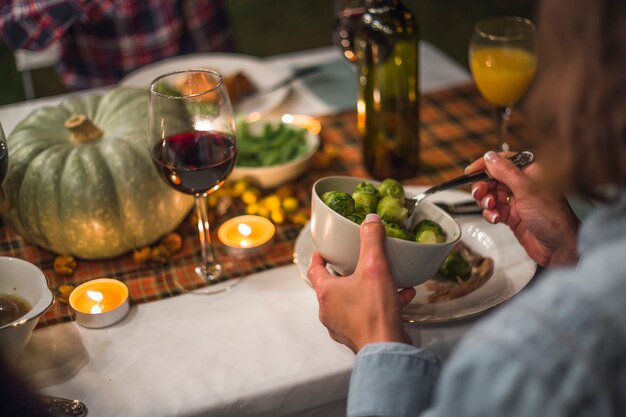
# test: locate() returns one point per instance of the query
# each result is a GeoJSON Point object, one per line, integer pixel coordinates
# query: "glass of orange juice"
{"type": "Point", "coordinates": [503, 59]}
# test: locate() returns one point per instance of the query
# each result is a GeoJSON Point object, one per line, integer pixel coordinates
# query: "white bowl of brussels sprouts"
{"type": "Point", "coordinates": [339, 205]}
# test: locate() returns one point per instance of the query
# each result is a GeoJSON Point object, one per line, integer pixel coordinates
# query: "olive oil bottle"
{"type": "Point", "coordinates": [387, 54]}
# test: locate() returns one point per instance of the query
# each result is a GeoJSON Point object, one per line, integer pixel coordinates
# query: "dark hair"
{"type": "Point", "coordinates": [578, 102]}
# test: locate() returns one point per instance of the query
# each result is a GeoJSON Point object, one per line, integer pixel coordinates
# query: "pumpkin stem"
{"type": "Point", "coordinates": [83, 130]}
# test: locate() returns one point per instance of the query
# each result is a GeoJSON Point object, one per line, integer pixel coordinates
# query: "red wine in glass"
{"type": "Point", "coordinates": [192, 141]}
{"type": "Point", "coordinates": [195, 162]}
{"type": "Point", "coordinates": [345, 24]}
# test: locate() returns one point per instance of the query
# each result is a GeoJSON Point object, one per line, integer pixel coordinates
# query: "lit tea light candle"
{"type": "Point", "coordinates": [309, 123]}
{"type": "Point", "coordinates": [100, 302]}
{"type": "Point", "coordinates": [246, 235]}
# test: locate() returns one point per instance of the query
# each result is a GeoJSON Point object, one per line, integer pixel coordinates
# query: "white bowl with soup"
{"type": "Point", "coordinates": [24, 297]}
{"type": "Point", "coordinates": [338, 239]}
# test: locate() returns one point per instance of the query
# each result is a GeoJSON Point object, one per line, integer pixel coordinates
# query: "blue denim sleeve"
{"type": "Point", "coordinates": [555, 351]}
{"type": "Point", "coordinates": [392, 379]}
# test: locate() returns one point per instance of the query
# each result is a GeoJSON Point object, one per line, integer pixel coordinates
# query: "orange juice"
{"type": "Point", "coordinates": [502, 74]}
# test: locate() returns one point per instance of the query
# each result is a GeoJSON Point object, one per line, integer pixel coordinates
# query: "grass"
{"type": "Point", "coordinates": [266, 28]}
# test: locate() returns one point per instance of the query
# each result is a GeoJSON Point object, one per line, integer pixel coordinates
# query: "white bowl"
{"type": "Point", "coordinates": [275, 175]}
{"type": "Point", "coordinates": [18, 277]}
{"type": "Point", "coordinates": [338, 240]}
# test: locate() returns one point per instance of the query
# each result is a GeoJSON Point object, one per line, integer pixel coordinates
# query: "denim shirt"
{"type": "Point", "coordinates": [556, 349]}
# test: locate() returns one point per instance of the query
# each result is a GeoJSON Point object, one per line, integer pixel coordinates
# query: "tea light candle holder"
{"type": "Point", "coordinates": [100, 302]}
{"type": "Point", "coordinates": [246, 235]}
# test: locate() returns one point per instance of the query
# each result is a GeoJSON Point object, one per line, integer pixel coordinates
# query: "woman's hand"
{"type": "Point", "coordinates": [542, 222]}
{"type": "Point", "coordinates": [363, 307]}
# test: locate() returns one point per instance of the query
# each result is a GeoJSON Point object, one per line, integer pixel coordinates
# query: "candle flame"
{"type": "Point", "coordinates": [244, 229]}
{"type": "Point", "coordinates": [96, 308]}
{"type": "Point", "coordinates": [96, 296]}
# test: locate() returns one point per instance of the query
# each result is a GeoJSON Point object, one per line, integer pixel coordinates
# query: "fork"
{"type": "Point", "coordinates": [520, 160]}
{"type": "Point", "coordinates": [63, 407]}
{"type": "Point", "coordinates": [297, 73]}
{"type": "Point", "coordinates": [461, 208]}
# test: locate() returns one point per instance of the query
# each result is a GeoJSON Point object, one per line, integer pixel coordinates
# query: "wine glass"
{"type": "Point", "coordinates": [4, 156]}
{"type": "Point", "coordinates": [346, 17]}
{"type": "Point", "coordinates": [503, 60]}
{"type": "Point", "coordinates": [193, 146]}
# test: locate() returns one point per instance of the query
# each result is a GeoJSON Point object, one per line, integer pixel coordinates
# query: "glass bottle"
{"type": "Point", "coordinates": [387, 49]}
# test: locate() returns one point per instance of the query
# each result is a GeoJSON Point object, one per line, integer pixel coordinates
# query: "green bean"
{"type": "Point", "coordinates": [276, 144]}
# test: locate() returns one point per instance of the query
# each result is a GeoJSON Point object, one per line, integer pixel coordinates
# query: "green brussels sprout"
{"type": "Point", "coordinates": [392, 188]}
{"type": "Point", "coordinates": [455, 267]}
{"type": "Point", "coordinates": [395, 230]}
{"type": "Point", "coordinates": [365, 197]}
{"type": "Point", "coordinates": [428, 231]}
{"type": "Point", "coordinates": [391, 209]}
{"type": "Point", "coordinates": [357, 217]}
{"type": "Point", "coordinates": [340, 202]}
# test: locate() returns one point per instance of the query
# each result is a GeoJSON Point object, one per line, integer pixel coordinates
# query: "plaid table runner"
{"type": "Point", "coordinates": [457, 126]}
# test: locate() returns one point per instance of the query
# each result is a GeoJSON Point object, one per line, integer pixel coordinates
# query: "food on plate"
{"type": "Point", "coordinates": [455, 267]}
{"type": "Point", "coordinates": [461, 273]}
{"type": "Point", "coordinates": [276, 144]}
{"type": "Point", "coordinates": [388, 202]}
{"type": "Point", "coordinates": [238, 85]}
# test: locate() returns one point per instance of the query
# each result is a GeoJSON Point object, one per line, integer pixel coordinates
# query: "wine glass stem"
{"type": "Point", "coordinates": [210, 268]}
{"type": "Point", "coordinates": [502, 124]}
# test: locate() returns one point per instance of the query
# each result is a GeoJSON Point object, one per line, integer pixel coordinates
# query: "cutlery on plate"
{"type": "Point", "coordinates": [297, 73]}
{"type": "Point", "coordinates": [63, 407]}
{"type": "Point", "coordinates": [460, 208]}
{"type": "Point", "coordinates": [520, 160]}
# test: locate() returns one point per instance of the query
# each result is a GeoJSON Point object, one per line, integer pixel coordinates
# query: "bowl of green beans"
{"type": "Point", "coordinates": [274, 150]}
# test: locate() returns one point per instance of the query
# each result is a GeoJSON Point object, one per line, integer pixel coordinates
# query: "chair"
{"type": "Point", "coordinates": [26, 60]}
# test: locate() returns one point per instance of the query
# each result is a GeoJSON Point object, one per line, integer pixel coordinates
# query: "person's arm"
{"type": "Point", "coordinates": [36, 24]}
{"type": "Point", "coordinates": [541, 355]}
{"type": "Point", "coordinates": [392, 379]}
{"type": "Point", "coordinates": [539, 216]}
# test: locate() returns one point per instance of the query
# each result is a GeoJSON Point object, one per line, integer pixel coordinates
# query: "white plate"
{"type": "Point", "coordinates": [259, 72]}
{"type": "Point", "coordinates": [513, 269]}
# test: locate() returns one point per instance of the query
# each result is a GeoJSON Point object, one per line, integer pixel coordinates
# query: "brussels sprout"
{"type": "Point", "coordinates": [392, 188]}
{"type": "Point", "coordinates": [357, 217]}
{"type": "Point", "coordinates": [427, 231]}
{"type": "Point", "coordinates": [365, 197]}
{"type": "Point", "coordinates": [395, 230]}
{"type": "Point", "coordinates": [455, 267]}
{"type": "Point", "coordinates": [391, 209]}
{"type": "Point", "coordinates": [340, 202]}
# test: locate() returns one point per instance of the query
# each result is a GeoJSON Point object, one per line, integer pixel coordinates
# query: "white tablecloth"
{"type": "Point", "coordinates": [256, 350]}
